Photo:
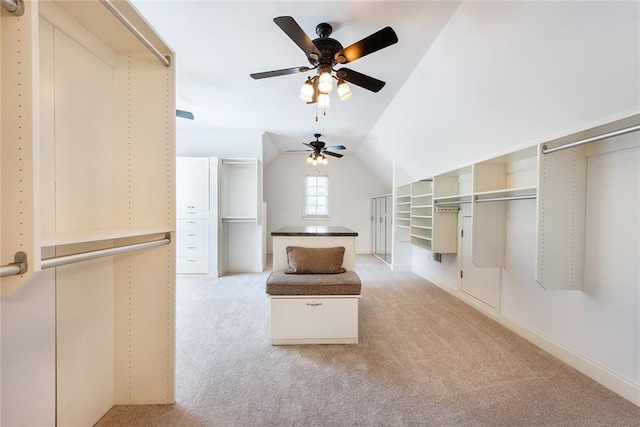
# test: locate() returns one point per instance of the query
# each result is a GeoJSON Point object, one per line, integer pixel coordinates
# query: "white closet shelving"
{"type": "Point", "coordinates": [403, 212]}
{"type": "Point", "coordinates": [450, 190]}
{"type": "Point", "coordinates": [422, 213]}
{"type": "Point", "coordinates": [88, 163]}
{"type": "Point", "coordinates": [495, 182]}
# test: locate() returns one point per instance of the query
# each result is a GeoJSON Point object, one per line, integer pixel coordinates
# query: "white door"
{"type": "Point", "coordinates": [481, 283]}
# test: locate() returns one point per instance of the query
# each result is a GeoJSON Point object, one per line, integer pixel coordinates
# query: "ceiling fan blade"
{"type": "Point", "coordinates": [332, 154]}
{"type": "Point", "coordinates": [359, 79]}
{"type": "Point", "coordinates": [336, 147]}
{"type": "Point", "coordinates": [373, 43]}
{"type": "Point", "coordinates": [297, 151]}
{"type": "Point", "coordinates": [282, 72]}
{"type": "Point", "coordinates": [184, 114]}
{"type": "Point", "coordinates": [309, 145]}
{"type": "Point", "coordinates": [299, 37]}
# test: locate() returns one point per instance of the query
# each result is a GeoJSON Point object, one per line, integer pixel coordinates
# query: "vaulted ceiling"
{"type": "Point", "coordinates": [219, 43]}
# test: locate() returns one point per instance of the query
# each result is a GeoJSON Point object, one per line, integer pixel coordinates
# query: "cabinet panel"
{"type": "Point", "coordinates": [192, 265]}
{"type": "Point", "coordinates": [192, 184]}
{"type": "Point", "coordinates": [192, 225]}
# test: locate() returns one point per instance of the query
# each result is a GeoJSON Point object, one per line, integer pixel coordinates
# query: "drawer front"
{"type": "Point", "coordinates": [192, 225]}
{"type": "Point", "coordinates": [314, 318]}
{"type": "Point", "coordinates": [192, 214]}
{"type": "Point", "coordinates": [192, 251]}
{"type": "Point", "coordinates": [192, 265]}
{"type": "Point", "coordinates": [192, 238]}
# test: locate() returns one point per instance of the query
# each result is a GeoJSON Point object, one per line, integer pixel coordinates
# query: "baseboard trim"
{"type": "Point", "coordinates": [588, 367]}
{"type": "Point", "coordinates": [591, 369]}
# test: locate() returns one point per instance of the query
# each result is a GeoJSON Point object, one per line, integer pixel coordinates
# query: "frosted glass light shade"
{"type": "Point", "coordinates": [306, 92]}
{"type": "Point", "coordinates": [344, 91]}
{"type": "Point", "coordinates": [325, 84]}
{"type": "Point", "coordinates": [323, 101]}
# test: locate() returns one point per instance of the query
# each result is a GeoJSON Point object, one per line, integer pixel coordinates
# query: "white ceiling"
{"type": "Point", "coordinates": [219, 43]}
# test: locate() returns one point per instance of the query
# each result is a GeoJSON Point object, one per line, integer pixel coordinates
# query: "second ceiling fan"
{"type": "Point", "coordinates": [324, 53]}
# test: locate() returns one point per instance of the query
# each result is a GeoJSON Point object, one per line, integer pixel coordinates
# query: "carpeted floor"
{"type": "Point", "coordinates": [424, 359]}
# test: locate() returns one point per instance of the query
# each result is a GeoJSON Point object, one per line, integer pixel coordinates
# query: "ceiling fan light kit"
{"type": "Point", "coordinates": [324, 53]}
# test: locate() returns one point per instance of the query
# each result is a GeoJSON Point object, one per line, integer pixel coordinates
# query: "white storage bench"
{"type": "Point", "coordinates": [314, 308]}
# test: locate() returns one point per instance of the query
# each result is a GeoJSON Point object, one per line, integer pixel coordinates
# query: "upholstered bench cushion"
{"type": "Point", "coordinates": [280, 283]}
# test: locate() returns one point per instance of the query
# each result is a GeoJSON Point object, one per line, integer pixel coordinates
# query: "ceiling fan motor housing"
{"type": "Point", "coordinates": [327, 46]}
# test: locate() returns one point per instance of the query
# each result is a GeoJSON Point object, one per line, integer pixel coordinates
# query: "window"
{"type": "Point", "coordinates": [316, 195]}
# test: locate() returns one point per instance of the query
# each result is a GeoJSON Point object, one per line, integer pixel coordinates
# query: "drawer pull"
{"type": "Point", "coordinates": [314, 304]}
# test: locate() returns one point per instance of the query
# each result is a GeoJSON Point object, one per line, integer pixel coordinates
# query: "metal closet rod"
{"type": "Point", "coordinates": [506, 198]}
{"type": "Point", "coordinates": [547, 150]}
{"type": "Point", "coordinates": [459, 202]}
{"type": "Point", "coordinates": [85, 256]}
{"type": "Point", "coordinates": [18, 266]}
{"type": "Point", "coordinates": [16, 7]}
{"type": "Point", "coordinates": [165, 59]}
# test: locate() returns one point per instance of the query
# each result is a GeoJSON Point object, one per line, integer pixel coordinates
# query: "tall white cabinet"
{"type": "Point", "coordinates": [220, 215]}
{"type": "Point", "coordinates": [88, 165]}
{"type": "Point", "coordinates": [193, 214]}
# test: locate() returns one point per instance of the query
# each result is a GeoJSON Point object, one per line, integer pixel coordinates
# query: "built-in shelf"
{"type": "Point", "coordinates": [239, 219]}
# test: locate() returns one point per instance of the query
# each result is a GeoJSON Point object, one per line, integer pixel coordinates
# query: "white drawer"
{"type": "Point", "coordinates": [192, 265]}
{"type": "Point", "coordinates": [309, 320]}
{"type": "Point", "coordinates": [192, 214]}
{"type": "Point", "coordinates": [192, 225]}
{"type": "Point", "coordinates": [195, 250]}
{"type": "Point", "coordinates": [192, 237]}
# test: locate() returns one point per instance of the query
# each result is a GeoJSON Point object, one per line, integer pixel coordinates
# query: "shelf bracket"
{"type": "Point", "coordinates": [17, 267]}
{"type": "Point", "coordinates": [16, 7]}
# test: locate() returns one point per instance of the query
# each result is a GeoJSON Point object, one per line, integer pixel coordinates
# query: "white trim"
{"type": "Point", "coordinates": [591, 369]}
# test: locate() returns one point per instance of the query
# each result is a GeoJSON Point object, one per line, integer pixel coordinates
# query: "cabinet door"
{"type": "Point", "coordinates": [192, 183]}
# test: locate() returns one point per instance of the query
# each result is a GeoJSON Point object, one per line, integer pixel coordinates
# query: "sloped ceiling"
{"type": "Point", "coordinates": [219, 43]}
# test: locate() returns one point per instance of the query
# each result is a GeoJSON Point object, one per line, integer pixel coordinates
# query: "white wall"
{"type": "Point", "coordinates": [351, 187]}
{"type": "Point", "coordinates": [504, 75]}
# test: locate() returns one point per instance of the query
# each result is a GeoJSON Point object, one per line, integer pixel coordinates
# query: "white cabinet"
{"type": "Point", "coordinates": [88, 157]}
{"type": "Point", "coordinates": [192, 215]}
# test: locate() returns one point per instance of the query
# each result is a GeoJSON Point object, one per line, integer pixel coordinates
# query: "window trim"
{"type": "Point", "coordinates": [304, 197]}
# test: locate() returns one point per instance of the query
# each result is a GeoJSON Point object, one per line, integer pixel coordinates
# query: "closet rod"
{"type": "Point", "coordinates": [18, 266]}
{"type": "Point", "coordinates": [546, 150]}
{"type": "Point", "coordinates": [460, 202]}
{"type": "Point", "coordinates": [16, 7]}
{"type": "Point", "coordinates": [165, 59]}
{"type": "Point", "coordinates": [502, 199]}
{"type": "Point", "coordinates": [85, 256]}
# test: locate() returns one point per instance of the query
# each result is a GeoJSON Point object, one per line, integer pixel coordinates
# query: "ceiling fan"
{"type": "Point", "coordinates": [324, 53]}
{"type": "Point", "coordinates": [318, 150]}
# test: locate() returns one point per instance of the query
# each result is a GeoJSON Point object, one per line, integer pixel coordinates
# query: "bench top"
{"type": "Point", "coordinates": [280, 283]}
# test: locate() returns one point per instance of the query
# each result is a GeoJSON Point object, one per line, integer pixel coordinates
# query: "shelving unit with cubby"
{"type": "Point", "coordinates": [451, 189]}
{"type": "Point", "coordinates": [497, 181]}
{"type": "Point", "coordinates": [403, 212]}
{"type": "Point", "coordinates": [93, 172]}
{"type": "Point", "coordinates": [422, 213]}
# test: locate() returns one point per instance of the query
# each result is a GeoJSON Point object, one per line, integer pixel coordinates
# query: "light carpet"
{"type": "Point", "coordinates": [424, 359]}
